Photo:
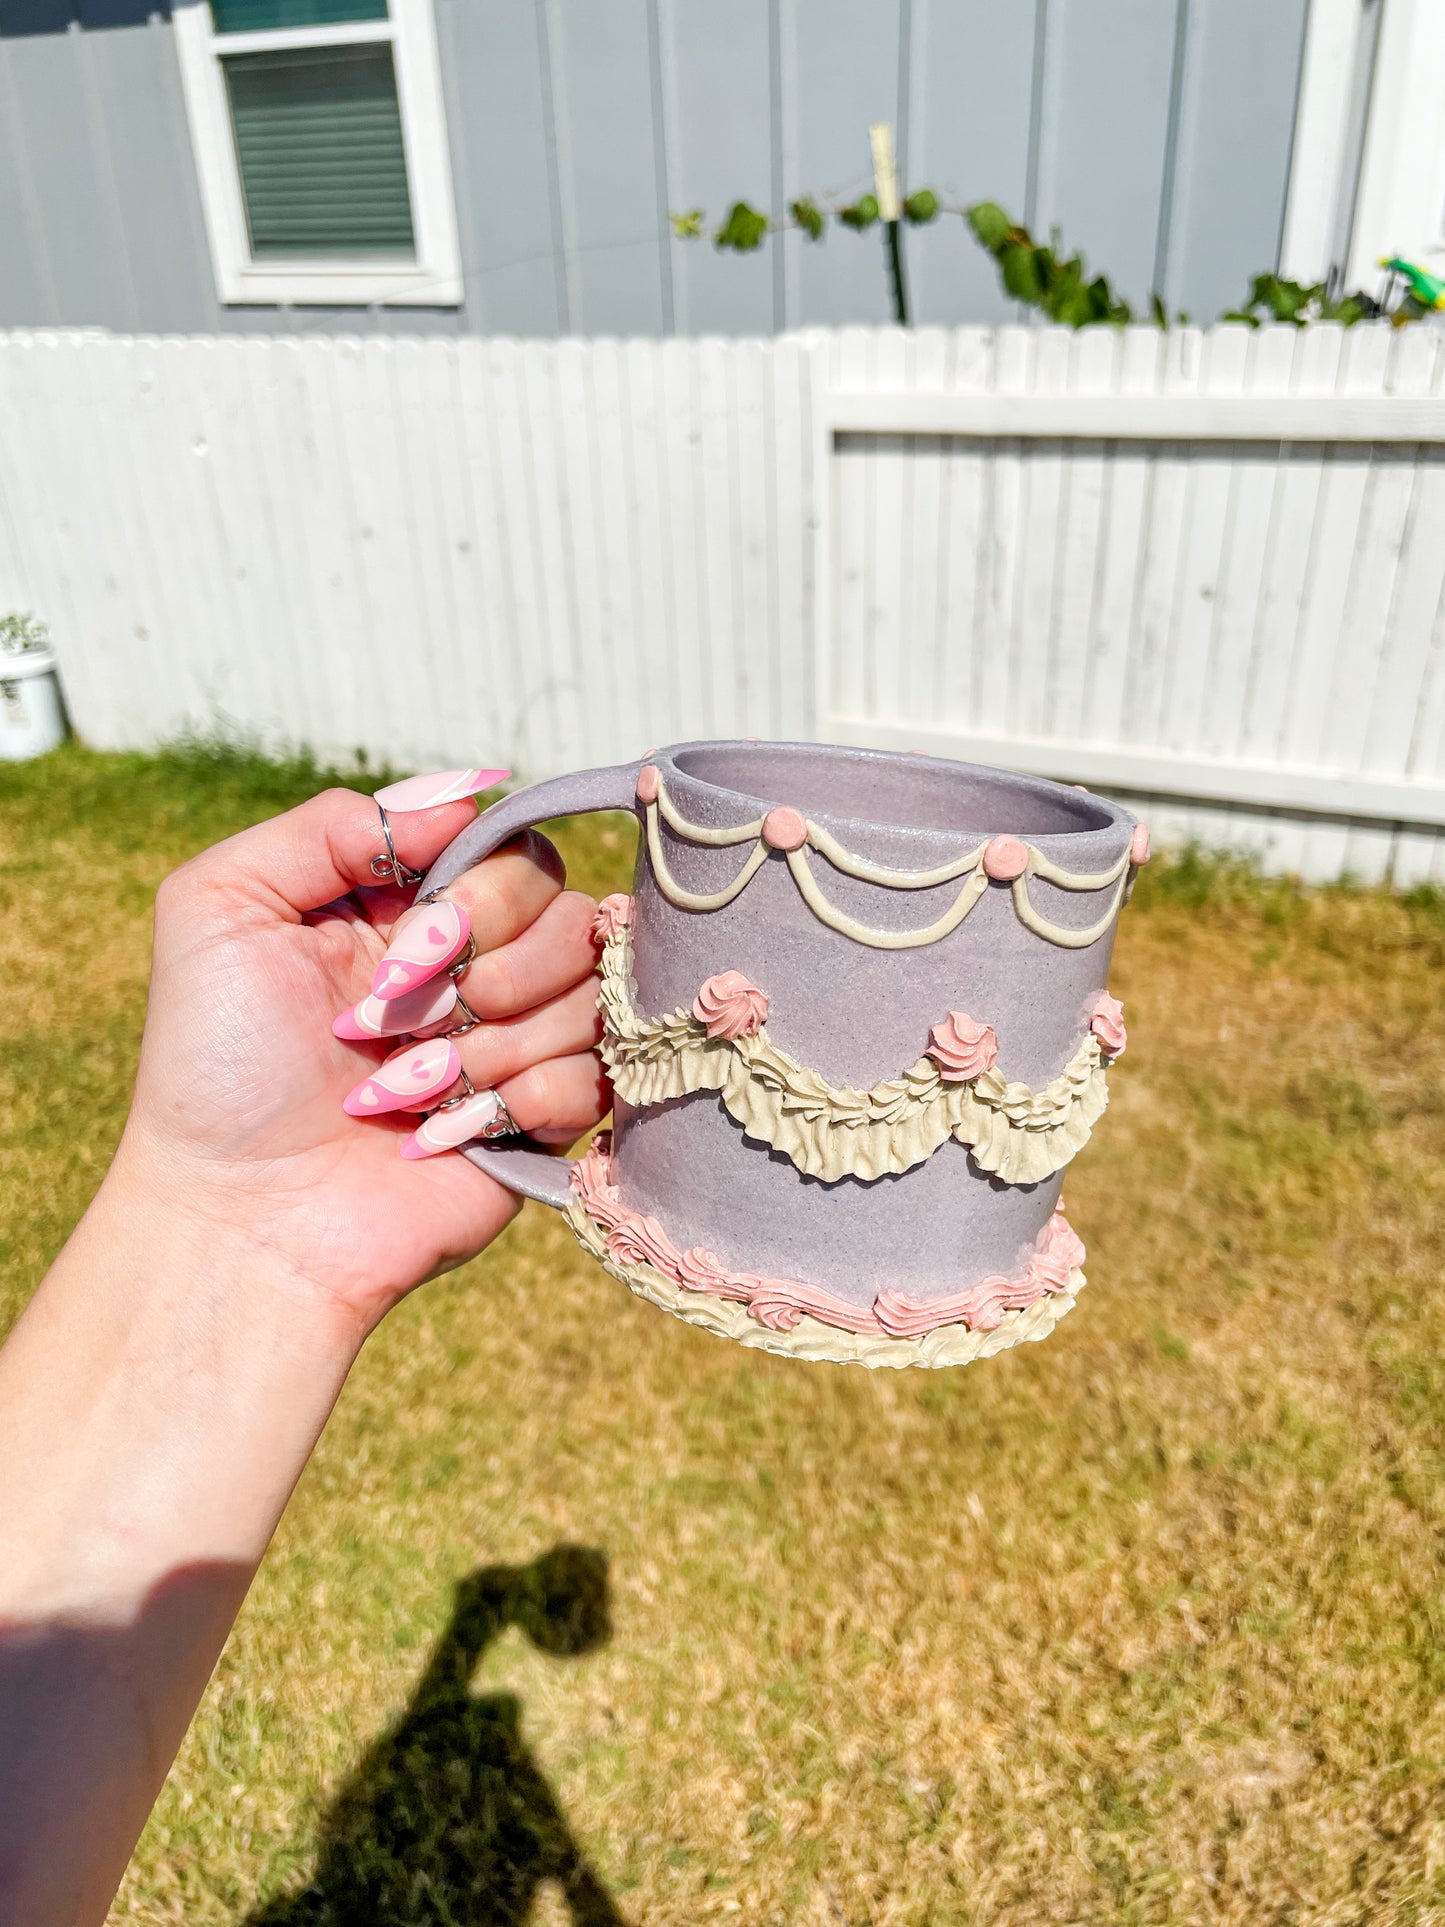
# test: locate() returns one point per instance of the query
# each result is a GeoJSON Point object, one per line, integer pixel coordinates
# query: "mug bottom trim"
{"type": "Point", "coordinates": [810, 1338]}
{"type": "Point", "coordinates": [779, 1304]}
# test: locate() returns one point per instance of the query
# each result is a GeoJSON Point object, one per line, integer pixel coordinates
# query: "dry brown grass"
{"type": "Point", "coordinates": [1141, 1624]}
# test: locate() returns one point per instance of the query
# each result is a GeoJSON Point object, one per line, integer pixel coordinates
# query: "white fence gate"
{"type": "Point", "coordinates": [1200, 567]}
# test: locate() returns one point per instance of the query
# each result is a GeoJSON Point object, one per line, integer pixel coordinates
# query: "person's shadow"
{"type": "Point", "coordinates": [447, 1822]}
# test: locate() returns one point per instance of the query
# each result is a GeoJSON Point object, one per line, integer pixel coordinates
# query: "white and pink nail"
{"type": "Point", "coordinates": [434, 937]}
{"type": "Point", "coordinates": [399, 1017]}
{"type": "Point", "coordinates": [408, 1079]}
{"type": "Point", "coordinates": [445, 1130]}
{"type": "Point", "coordinates": [442, 786]}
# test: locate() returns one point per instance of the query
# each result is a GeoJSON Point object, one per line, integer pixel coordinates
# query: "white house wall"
{"type": "Point", "coordinates": [1155, 133]}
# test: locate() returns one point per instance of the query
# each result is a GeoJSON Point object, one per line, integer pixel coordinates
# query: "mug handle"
{"type": "Point", "coordinates": [517, 1163]}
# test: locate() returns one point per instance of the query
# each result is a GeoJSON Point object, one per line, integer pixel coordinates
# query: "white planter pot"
{"type": "Point", "coordinates": [32, 715]}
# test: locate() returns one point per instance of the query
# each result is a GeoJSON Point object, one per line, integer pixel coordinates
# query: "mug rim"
{"type": "Point", "coordinates": [1110, 830]}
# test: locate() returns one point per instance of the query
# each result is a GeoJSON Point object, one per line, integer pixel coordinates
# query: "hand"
{"type": "Point", "coordinates": [238, 1123]}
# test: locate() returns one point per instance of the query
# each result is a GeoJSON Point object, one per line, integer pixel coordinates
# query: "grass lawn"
{"type": "Point", "coordinates": [1145, 1623]}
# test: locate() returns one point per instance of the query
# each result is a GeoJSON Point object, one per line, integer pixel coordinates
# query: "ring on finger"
{"type": "Point", "coordinates": [465, 956]}
{"type": "Point", "coordinates": [390, 864]}
{"type": "Point", "coordinates": [470, 1019]}
{"type": "Point", "coordinates": [451, 1103]}
{"type": "Point", "coordinates": [502, 1124]}
{"type": "Point", "coordinates": [447, 1128]}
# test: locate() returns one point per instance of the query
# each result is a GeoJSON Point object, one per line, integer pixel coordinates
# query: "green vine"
{"type": "Point", "coordinates": [1038, 274]}
{"type": "Point", "coordinates": [1274, 299]}
{"type": "Point", "coordinates": [1034, 273]}
{"type": "Point", "coordinates": [745, 227]}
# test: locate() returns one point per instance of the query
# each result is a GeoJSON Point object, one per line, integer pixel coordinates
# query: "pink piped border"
{"type": "Point", "coordinates": [782, 1303]}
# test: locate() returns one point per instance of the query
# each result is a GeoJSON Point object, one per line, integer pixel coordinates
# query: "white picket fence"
{"type": "Point", "coordinates": [1203, 568]}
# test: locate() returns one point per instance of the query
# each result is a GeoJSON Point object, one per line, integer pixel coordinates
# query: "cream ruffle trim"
{"type": "Point", "coordinates": [819, 1343]}
{"type": "Point", "coordinates": [829, 1131]}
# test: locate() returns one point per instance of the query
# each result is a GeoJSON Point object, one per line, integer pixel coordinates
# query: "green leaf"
{"type": "Point", "coordinates": [1158, 310]}
{"type": "Point", "coordinates": [743, 230]}
{"type": "Point", "coordinates": [687, 226]}
{"type": "Point", "coordinates": [1074, 307]}
{"type": "Point", "coordinates": [1021, 272]}
{"type": "Point", "coordinates": [990, 224]}
{"type": "Point", "coordinates": [1112, 307]}
{"type": "Point", "coordinates": [1347, 311]}
{"type": "Point", "coordinates": [860, 214]}
{"type": "Point", "coordinates": [809, 217]}
{"type": "Point", "coordinates": [1290, 299]}
{"type": "Point", "coordinates": [922, 207]}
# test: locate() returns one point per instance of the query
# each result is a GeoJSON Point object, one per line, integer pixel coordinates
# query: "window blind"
{"type": "Point", "coordinates": [265, 16]}
{"type": "Point", "coordinates": [319, 143]}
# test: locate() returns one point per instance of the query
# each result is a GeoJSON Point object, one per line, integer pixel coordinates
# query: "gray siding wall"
{"type": "Point", "coordinates": [1154, 133]}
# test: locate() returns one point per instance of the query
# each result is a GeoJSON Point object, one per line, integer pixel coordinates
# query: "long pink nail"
{"type": "Point", "coordinates": [445, 1130]}
{"type": "Point", "coordinates": [433, 939]}
{"type": "Point", "coordinates": [418, 1010]}
{"type": "Point", "coordinates": [407, 1079]}
{"type": "Point", "coordinates": [443, 786]}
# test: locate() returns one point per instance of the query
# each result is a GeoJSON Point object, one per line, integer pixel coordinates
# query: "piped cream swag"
{"type": "Point", "coordinates": [1004, 859]}
{"type": "Point", "coordinates": [830, 1131]}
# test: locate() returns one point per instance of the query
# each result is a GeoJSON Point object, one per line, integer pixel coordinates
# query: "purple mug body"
{"type": "Point", "coordinates": [806, 870]}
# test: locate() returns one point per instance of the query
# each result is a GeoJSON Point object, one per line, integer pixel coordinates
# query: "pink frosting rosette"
{"type": "Point", "coordinates": [699, 1269]}
{"type": "Point", "coordinates": [614, 913]}
{"type": "Point", "coordinates": [962, 1048]}
{"type": "Point", "coordinates": [642, 1241]}
{"type": "Point", "coordinates": [729, 1006]}
{"type": "Point", "coordinates": [1106, 1020]}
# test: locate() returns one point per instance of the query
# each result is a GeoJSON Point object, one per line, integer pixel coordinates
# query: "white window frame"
{"type": "Point", "coordinates": [1400, 208]}
{"type": "Point", "coordinates": [434, 278]}
{"type": "Point", "coordinates": [1325, 155]}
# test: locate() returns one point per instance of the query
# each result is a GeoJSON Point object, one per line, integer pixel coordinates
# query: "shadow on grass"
{"type": "Point", "coordinates": [448, 1821]}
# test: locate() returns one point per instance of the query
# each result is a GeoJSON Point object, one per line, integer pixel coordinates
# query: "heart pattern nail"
{"type": "Point", "coordinates": [424, 946]}
{"type": "Point", "coordinates": [398, 1016]}
{"type": "Point", "coordinates": [409, 1079]}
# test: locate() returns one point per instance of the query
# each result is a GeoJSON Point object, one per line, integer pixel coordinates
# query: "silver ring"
{"type": "Point", "coordinates": [460, 962]}
{"type": "Point", "coordinates": [470, 1019]}
{"type": "Point", "coordinates": [391, 864]}
{"type": "Point", "coordinates": [503, 1124]}
{"type": "Point", "coordinates": [451, 1103]}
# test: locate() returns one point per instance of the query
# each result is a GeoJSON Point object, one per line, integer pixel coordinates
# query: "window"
{"type": "Point", "coordinates": [322, 151]}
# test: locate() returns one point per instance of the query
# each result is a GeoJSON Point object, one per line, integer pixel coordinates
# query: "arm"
{"type": "Point", "coordinates": [157, 1403]}
{"type": "Point", "coordinates": [163, 1390]}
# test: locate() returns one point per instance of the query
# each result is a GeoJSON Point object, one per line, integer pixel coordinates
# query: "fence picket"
{"type": "Point", "coordinates": [436, 551]}
{"type": "Point", "coordinates": [1123, 520]}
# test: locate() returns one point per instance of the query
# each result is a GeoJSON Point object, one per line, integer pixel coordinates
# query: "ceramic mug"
{"type": "Point", "coordinates": [858, 1023]}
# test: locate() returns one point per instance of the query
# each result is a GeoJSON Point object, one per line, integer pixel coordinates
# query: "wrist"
{"type": "Point", "coordinates": [189, 1377]}
{"type": "Point", "coordinates": [205, 1227]}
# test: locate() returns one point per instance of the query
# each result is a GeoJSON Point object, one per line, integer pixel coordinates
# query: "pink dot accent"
{"type": "Point", "coordinates": [785, 829]}
{"type": "Point", "coordinates": [1139, 844]}
{"type": "Point", "coordinates": [649, 781]}
{"type": "Point", "coordinates": [1006, 858]}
